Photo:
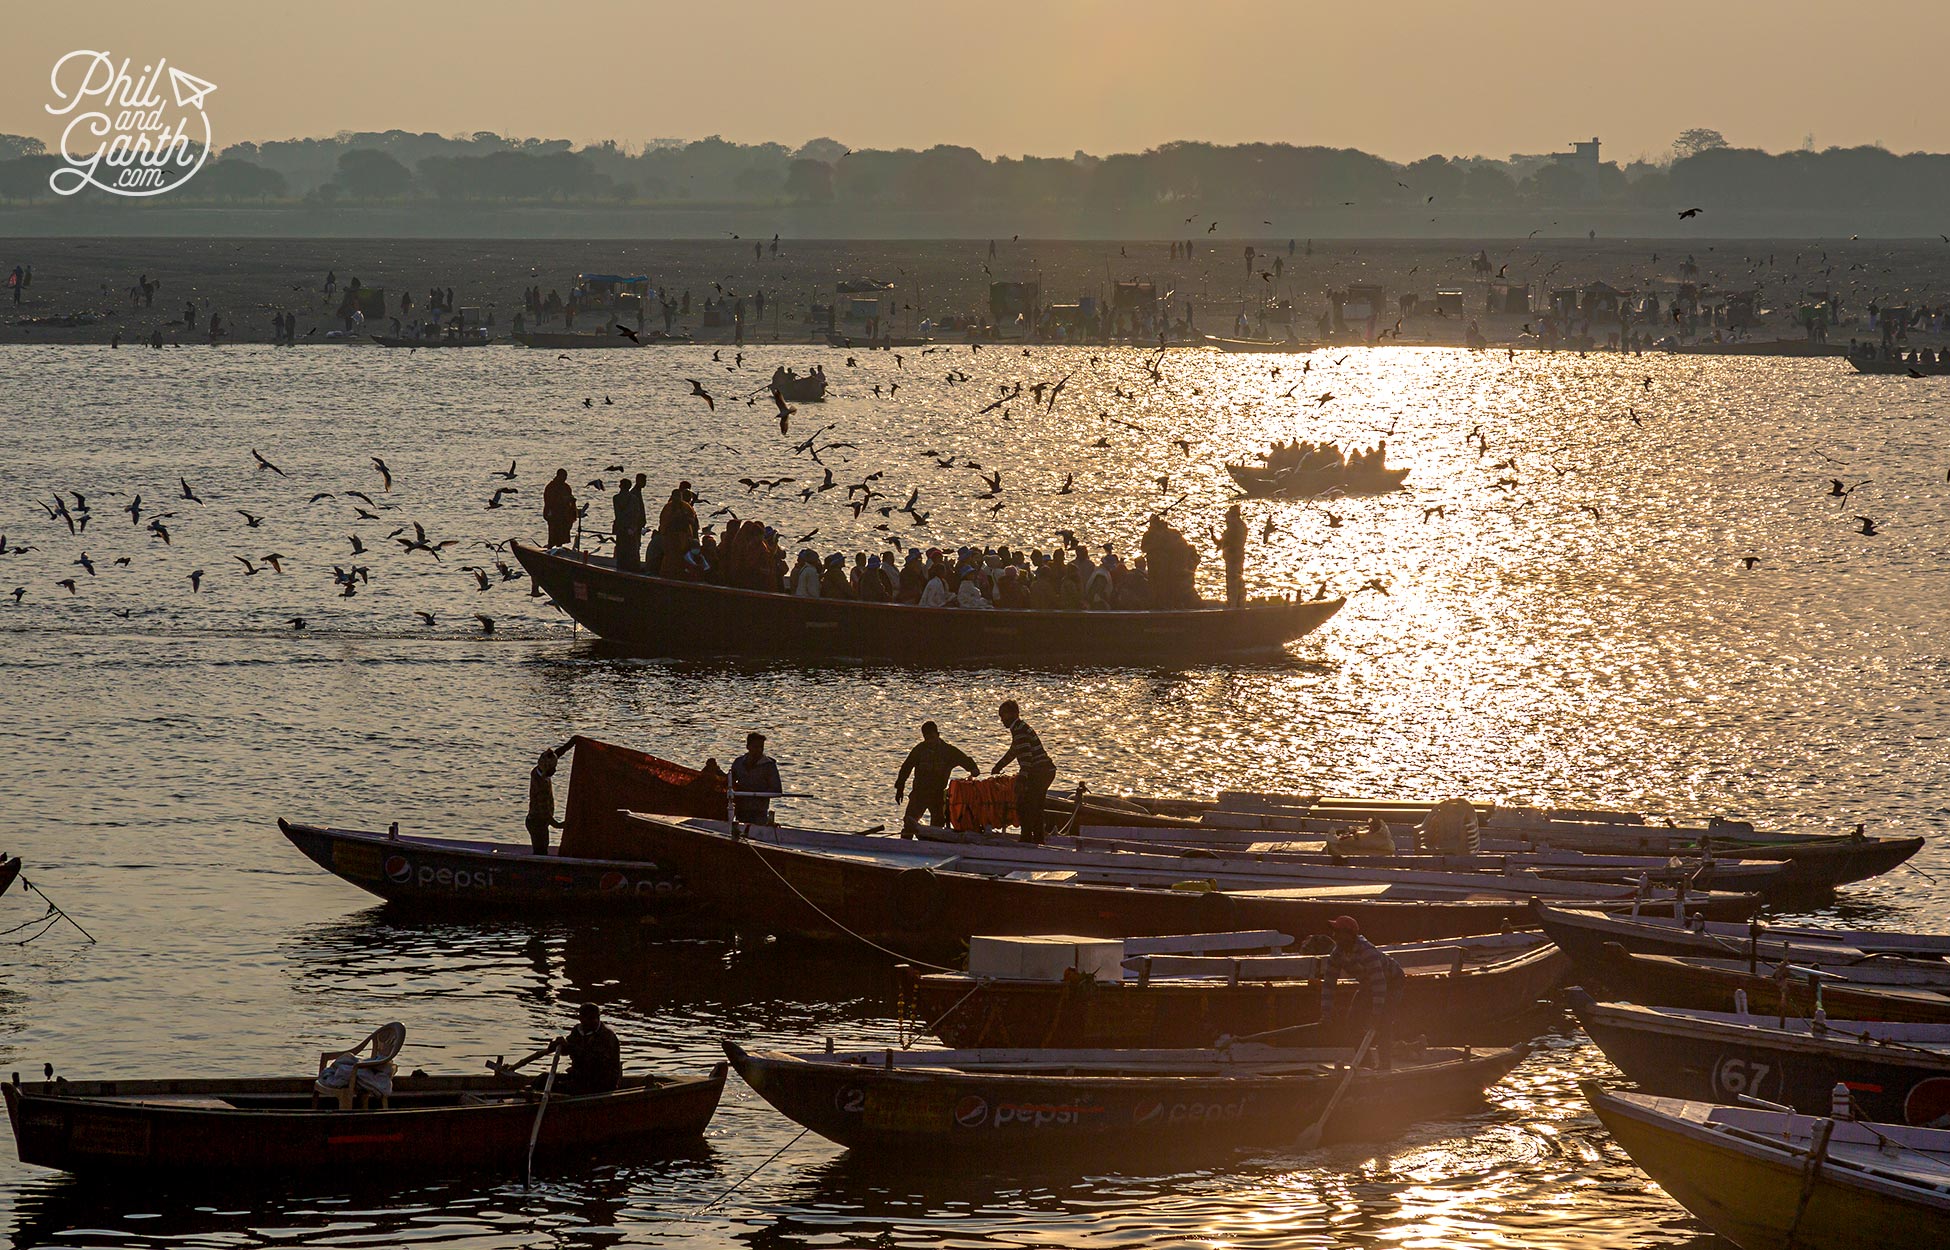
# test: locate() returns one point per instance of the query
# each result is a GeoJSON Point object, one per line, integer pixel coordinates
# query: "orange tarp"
{"type": "Point", "coordinates": [606, 778]}
{"type": "Point", "coordinates": [981, 802]}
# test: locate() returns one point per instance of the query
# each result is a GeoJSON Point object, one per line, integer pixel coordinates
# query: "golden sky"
{"type": "Point", "coordinates": [1402, 79]}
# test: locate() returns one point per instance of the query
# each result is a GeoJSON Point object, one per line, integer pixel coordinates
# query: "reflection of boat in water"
{"type": "Point", "coordinates": [800, 388]}
{"type": "Point", "coordinates": [1101, 1104]}
{"type": "Point", "coordinates": [1300, 482]}
{"type": "Point", "coordinates": [667, 616]}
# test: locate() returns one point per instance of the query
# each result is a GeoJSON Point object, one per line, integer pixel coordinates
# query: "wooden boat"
{"type": "Point", "coordinates": [1583, 934]}
{"type": "Point", "coordinates": [279, 1125]}
{"type": "Point", "coordinates": [1259, 482]}
{"type": "Point", "coordinates": [1098, 830]}
{"type": "Point", "coordinates": [1008, 1103]}
{"type": "Point", "coordinates": [584, 874]}
{"type": "Point", "coordinates": [1867, 992]}
{"type": "Point", "coordinates": [9, 869]}
{"type": "Point", "coordinates": [1243, 869]}
{"type": "Point", "coordinates": [1253, 346]}
{"type": "Point", "coordinates": [801, 388]}
{"type": "Point", "coordinates": [576, 340]}
{"type": "Point", "coordinates": [445, 340]}
{"type": "Point", "coordinates": [1904, 368]}
{"type": "Point", "coordinates": [1899, 1073]}
{"type": "Point", "coordinates": [662, 616]}
{"type": "Point", "coordinates": [911, 899]}
{"type": "Point", "coordinates": [1771, 1180]}
{"type": "Point", "coordinates": [1453, 989]}
{"type": "Point", "coordinates": [1818, 860]}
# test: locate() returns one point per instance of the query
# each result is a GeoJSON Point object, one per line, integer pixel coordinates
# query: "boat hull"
{"type": "Point", "coordinates": [1899, 367]}
{"type": "Point", "coordinates": [9, 869]}
{"type": "Point", "coordinates": [1444, 1007]}
{"type": "Point", "coordinates": [1719, 1061]}
{"type": "Point", "coordinates": [1259, 483]}
{"type": "Point", "coordinates": [124, 1126]}
{"type": "Point", "coordinates": [1671, 981]}
{"type": "Point", "coordinates": [439, 874]}
{"type": "Point", "coordinates": [1009, 1115]}
{"type": "Point", "coordinates": [1754, 1197]}
{"type": "Point", "coordinates": [577, 342]}
{"type": "Point", "coordinates": [413, 344]}
{"type": "Point", "coordinates": [660, 616]}
{"type": "Point", "coordinates": [757, 887]}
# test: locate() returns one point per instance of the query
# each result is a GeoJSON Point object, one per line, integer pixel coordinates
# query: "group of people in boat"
{"type": "Point", "coordinates": [1921, 358]}
{"type": "Point", "coordinates": [750, 555]}
{"type": "Point", "coordinates": [1310, 457]}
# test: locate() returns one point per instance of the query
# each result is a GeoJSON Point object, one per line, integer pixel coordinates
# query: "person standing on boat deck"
{"type": "Point", "coordinates": [930, 762]}
{"type": "Point", "coordinates": [559, 509]}
{"type": "Point", "coordinates": [1232, 545]}
{"type": "Point", "coordinates": [757, 773]}
{"type": "Point", "coordinates": [541, 802]}
{"type": "Point", "coordinates": [1034, 770]}
{"type": "Point", "coordinates": [630, 518]}
{"type": "Point", "coordinates": [595, 1055]}
{"type": "Point", "coordinates": [1377, 976]}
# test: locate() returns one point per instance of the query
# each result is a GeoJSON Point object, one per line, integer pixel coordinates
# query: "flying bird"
{"type": "Point", "coordinates": [262, 463]}
{"type": "Point", "coordinates": [385, 473]}
{"type": "Point", "coordinates": [698, 390]}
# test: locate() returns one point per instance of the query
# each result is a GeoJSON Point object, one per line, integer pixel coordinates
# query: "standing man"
{"type": "Point", "coordinates": [1378, 981]}
{"type": "Point", "coordinates": [629, 517]}
{"type": "Point", "coordinates": [541, 802]}
{"type": "Point", "coordinates": [1232, 545]}
{"type": "Point", "coordinates": [1034, 770]}
{"type": "Point", "coordinates": [757, 773]}
{"type": "Point", "coordinates": [930, 762]}
{"type": "Point", "coordinates": [559, 509]}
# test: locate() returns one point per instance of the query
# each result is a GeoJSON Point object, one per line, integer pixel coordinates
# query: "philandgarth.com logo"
{"type": "Point", "coordinates": [122, 135]}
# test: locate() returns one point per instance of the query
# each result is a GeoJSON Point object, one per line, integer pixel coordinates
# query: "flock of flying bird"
{"type": "Point", "coordinates": [905, 513]}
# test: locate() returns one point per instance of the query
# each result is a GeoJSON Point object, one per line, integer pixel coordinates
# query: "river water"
{"type": "Point", "coordinates": [1577, 626]}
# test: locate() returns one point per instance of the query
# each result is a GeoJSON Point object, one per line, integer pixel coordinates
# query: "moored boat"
{"type": "Point", "coordinates": [577, 340]}
{"type": "Point", "coordinates": [1004, 1104]}
{"type": "Point", "coordinates": [1583, 934]}
{"type": "Point", "coordinates": [665, 616]}
{"type": "Point", "coordinates": [1454, 991]}
{"type": "Point", "coordinates": [584, 873]}
{"type": "Point", "coordinates": [912, 899]}
{"type": "Point", "coordinates": [1903, 368]}
{"type": "Point", "coordinates": [411, 342]}
{"type": "Point", "coordinates": [1898, 1073]}
{"type": "Point", "coordinates": [225, 1125]}
{"type": "Point", "coordinates": [1770, 1180]}
{"type": "Point", "coordinates": [1865, 992]}
{"type": "Point", "coordinates": [9, 869]}
{"type": "Point", "coordinates": [1253, 346]}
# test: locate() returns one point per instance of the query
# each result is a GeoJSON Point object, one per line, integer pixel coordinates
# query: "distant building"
{"type": "Point", "coordinates": [1582, 159]}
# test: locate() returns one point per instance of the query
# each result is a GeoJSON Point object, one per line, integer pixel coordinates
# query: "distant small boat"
{"type": "Point", "coordinates": [835, 339]}
{"type": "Point", "coordinates": [229, 1125]}
{"type": "Point", "coordinates": [1766, 1180]}
{"type": "Point", "coordinates": [1260, 482]}
{"type": "Point", "coordinates": [1103, 1105]}
{"type": "Point", "coordinates": [1875, 364]}
{"type": "Point", "coordinates": [578, 341]}
{"type": "Point", "coordinates": [1895, 1072]}
{"type": "Point", "coordinates": [1254, 345]}
{"type": "Point", "coordinates": [800, 388]}
{"type": "Point", "coordinates": [465, 340]}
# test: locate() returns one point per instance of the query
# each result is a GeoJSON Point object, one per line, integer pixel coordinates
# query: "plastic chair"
{"type": "Point", "coordinates": [373, 1073]}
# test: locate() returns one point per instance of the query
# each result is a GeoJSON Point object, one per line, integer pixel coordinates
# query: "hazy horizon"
{"type": "Point", "coordinates": [1046, 80]}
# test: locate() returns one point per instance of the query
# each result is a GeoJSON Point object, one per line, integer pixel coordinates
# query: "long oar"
{"type": "Point", "coordinates": [535, 1134]}
{"type": "Point", "coordinates": [56, 907]}
{"type": "Point", "coordinates": [1310, 1136]}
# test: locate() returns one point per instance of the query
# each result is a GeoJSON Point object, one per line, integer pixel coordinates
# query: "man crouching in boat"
{"type": "Point", "coordinates": [1378, 981]}
{"type": "Point", "coordinates": [595, 1055]}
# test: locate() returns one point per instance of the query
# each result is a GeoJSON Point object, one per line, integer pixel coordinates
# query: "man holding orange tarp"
{"type": "Point", "coordinates": [1034, 770]}
{"type": "Point", "coordinates": [930, 763]}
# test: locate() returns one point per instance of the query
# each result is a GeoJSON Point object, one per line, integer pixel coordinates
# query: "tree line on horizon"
{"type": "Point", "coordinates": [485, 168]}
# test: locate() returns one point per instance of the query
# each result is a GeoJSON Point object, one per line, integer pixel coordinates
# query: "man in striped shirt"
{"type": "Point", "coordinates": [1034, 770]}
{"type": "Point", "coordinates": [1378, 979]}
